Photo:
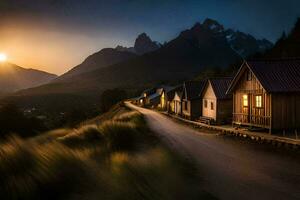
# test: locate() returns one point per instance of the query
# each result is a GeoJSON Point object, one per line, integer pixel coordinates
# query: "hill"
{"type": "Point", "coordinates": [13, 77]}
{"type": "Point", "coordinates": [205, 45]}
{"type": "Point", "coordinates": [101, 59]}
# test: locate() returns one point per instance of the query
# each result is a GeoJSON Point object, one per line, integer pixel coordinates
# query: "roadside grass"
{"type": "Point", "coordinates": [116, 159]}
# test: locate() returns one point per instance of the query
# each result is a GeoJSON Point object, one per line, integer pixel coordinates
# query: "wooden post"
{"type": "Point", "coordinates": [296, 134]}
{"type": "Point", "coordinates": [270, 107]}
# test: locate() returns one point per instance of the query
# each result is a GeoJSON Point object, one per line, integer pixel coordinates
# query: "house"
{"type": "Point", "coordinates": [216, 104]}
{"type": "Point", "coordinates": [151, 97]}
{"type": "Point", "coordinates": [178, 102]}
{"type": "Point", "coordinates": [144, 99]}
{"type": "Point", "coordinates": [266, 94]}
{"type": "Point", "coordinates": [164, 98]}
{"type": "Point", "coordinates": [191, 99]}
{"type": "Point", "coordinates": [137, 100]}
{"type": "Point", "coordinates": [153, 100]}
{"type": "Point", "coordinates": [167, 98]}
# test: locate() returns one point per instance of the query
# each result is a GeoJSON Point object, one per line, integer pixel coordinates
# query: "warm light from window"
{"type": "Point", "coordinates": [245, 100]}
{"type": "Point", "coordinates": [3, 57]}
{"type": "Point", "coordinates": [258, 101]}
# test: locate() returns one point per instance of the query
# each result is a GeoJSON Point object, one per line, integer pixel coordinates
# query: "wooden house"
{"type": "Point", "coordinates": [266, 94]}
{"type": "Point", "coordinates": [191, 99]}
{"type": "Point", "coordinates": [153, 100]}
{"type": "Point", "coordinates": [167, 98]}
{"type": "Point", "coordinates": [216, 104]}
{"type": "Point", "coordinates": [148, 97]}
{"type": "Point", "coordinates": [177, 101]}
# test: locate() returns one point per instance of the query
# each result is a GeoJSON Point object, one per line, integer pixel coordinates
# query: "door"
{"type": "Point", "coordinates": [245, 118]}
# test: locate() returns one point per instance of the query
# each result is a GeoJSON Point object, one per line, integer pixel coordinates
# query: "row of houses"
{"type": "Point", "coordinates": [263, 94]}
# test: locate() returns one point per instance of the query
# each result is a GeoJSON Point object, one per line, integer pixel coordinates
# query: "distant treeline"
{"type": "Point", "coordinates": [30, 122]}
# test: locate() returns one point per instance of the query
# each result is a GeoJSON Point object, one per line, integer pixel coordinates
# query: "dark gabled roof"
{"type": "Point", "coordinates": [220, 86]}
{"type": "Point", "coordinates": [153, 96]}
{"type": "Point", "coordinates": [276, 76]}
{"type": "Point", "coordinates": [136, 98]}
{"type": "Point", "coordinates": [194, 89]}
{"type": "Point", "coordinates": [149, 91]}
{"type": "Point", "coordinates": [171, 92]}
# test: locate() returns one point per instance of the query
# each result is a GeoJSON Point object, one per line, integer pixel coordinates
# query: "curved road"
{"type": "Point", "coordinates": [232, 169]}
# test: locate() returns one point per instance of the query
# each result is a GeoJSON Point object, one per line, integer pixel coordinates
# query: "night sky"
{"type": "Point", "coordinates": [55, 35]}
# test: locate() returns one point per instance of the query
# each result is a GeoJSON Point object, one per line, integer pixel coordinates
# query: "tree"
{"type": "Point", "coordinates": [12, 120]}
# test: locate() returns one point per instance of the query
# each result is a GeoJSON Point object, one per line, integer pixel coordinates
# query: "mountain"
{"type": "Point", "coordinates": [205, 45]}
{"type": "Point", "coordinates": [287, 46]}
{"type": "Point", "coordinates": [182, 58]}
{"type": "Point", "coordinates": [243, 44]}
{"type": "Point", "coordinates": [101, 59]}
{"type": "Point", "coordinates": [143, 44]}
{"type": "Point", "coordinates": [13, 77]}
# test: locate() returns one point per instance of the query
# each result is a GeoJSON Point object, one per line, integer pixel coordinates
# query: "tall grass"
{"type": "Point", "coordinates": [117, 159]}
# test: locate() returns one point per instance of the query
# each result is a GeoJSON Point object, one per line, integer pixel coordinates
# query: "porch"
{"type": "Point", "coordinates": [252, 120]}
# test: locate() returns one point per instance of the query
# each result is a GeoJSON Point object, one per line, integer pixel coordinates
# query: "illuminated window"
{"type": "Point", "coordinates": [205, 103]}
{"type": "Point", "coordinates": [258, 101]}
{"type": "Point", "coordinates": [211, 105]}
{"type": "Point", "coordinates": [245, 100]}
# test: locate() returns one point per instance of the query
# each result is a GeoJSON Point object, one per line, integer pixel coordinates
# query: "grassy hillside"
{"type": "Point", "coordinates": [114, 157]}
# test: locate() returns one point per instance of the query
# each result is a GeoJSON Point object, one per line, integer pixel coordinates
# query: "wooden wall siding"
{"type": "Point", "coordinates": [194, 109]}
{"type": "Point", "coordinates": [163, 100]}
{"type": "Point", "coordinates": [172, 106]}
{"type": "Point", "coordinates": [177, 108]}
{"type": "Point", "coordinates": [251, 115]}
{"type": "Point", "coordinates": [285, 111]}
{"type": "Point", "coordinates": [177, 104]}
{"type": "Point", "coordinates": [224, 111]}
{"type": "Point", "coordinates": [186, 108]}
{"type": "Point", "coordinates": [210, 97]}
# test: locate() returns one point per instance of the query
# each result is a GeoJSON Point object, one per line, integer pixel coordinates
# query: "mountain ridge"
{"type": "Point", "coordinates": [14, 77]}
{"type": "Point", "coordinates": [204, 45]}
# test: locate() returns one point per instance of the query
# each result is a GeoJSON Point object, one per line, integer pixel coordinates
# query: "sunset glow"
{"type": "Point", "coordinates": [3, 57]}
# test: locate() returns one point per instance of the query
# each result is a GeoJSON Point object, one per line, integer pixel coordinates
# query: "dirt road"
{"type": "Point", "coordinates": [232, 169]}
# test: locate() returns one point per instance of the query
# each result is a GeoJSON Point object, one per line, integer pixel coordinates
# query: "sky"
{"type": "Point", "coordinates": [56, 35]}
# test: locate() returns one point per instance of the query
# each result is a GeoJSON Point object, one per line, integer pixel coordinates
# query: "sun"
{"type": "Point", "coordinates": [3, 57]}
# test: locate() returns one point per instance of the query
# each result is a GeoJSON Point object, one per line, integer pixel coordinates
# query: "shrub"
{"type": "Point", "coordinates": [12, 120]}
{"type": "Point", "coordinates": [95, 162]}
{"type": "Point", "coordinates": [85, 135]}
{"type": "Point", "coordinates": [120, 136]}
{"type": "Point", "coordinates": [51, 171]}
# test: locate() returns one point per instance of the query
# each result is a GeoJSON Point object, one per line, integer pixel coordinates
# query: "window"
{"type": "Point", "coordinates": [245, 100]}
{"type": "Point", "coordinates": [249, 76]}
{"type": "Point", "coordinates": [205, 103]}
{"type": "Point", "coordinates": [211, 105]}
{"type": "Point", "coordinates": [258, 101]}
